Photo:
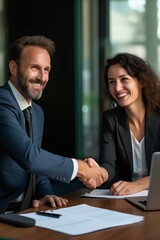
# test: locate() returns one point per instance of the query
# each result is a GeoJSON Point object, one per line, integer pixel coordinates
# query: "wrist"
{"type": "Point", "coordinates": [81, 171]}
{"type": "Point", "coordinates": [105, 175]}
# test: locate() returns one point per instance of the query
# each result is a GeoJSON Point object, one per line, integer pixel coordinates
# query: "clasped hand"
{"type": "Point", "coordinates": [95, 176]}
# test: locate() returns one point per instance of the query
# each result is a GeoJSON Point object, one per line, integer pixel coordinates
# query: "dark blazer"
{"type": "Point", "coordinates": [116, 150]}
{"type": "Point", "coordinates": [19, 156]}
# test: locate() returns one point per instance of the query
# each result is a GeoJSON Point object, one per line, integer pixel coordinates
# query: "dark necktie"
{"type": "Point", "coordinates": [30, 193]}
{"type": "Point", "coordinates": [28, 121]}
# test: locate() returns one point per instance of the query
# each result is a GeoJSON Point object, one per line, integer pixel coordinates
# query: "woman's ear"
{"type": "Point", "coordinates": [13, 67]}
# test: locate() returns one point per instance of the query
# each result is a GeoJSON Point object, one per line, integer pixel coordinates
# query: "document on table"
{"type": "Point", "coordinates": [104, 193]}
{"type": "Point", "coordinates": [83, 218]}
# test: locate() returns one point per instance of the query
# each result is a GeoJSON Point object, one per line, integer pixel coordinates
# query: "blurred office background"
{"type": "Point", "coordinates": [86, 32]}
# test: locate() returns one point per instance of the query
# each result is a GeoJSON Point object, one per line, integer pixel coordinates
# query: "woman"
{"type": "Point", "coordinates": [131, 130]}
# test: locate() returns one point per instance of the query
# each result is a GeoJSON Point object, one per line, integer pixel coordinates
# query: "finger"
{"type": "Point", "coordinates": [114, 188]}
{"type": "Point", "coordinates": [64, 201]}
{"type": "Point", "coordinates": [46, 199]}
{"type": "Point", "coordinates": [119, 190]}
{"type": "Point", "coordinates": [126, 189]}
{"type": "Point", "coordinates": [85, 181]}
{"type": "Point", "coordinates": [58, 201]}
{"type": "Point", "coordinates": [91, 162]}
{"type": "Point", "coordinates": [35, 203]}
{"type": "Point", "coordinates": [91, 183]}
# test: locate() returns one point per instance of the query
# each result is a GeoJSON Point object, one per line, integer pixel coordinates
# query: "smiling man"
{"type": "Point", "coordinates": [21, 155]}
{"type": "Point", "coordinates": [31, 75]}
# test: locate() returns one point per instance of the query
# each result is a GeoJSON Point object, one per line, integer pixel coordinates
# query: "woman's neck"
{"type": "Point", "coordinates": [136, 119]}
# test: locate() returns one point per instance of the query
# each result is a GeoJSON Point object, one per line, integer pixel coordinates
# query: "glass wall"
{"type": "Point", "coordinates": [90, 76]}
{"type": "Point", "coordinates": [87, 78]}
{"type": "Point", "coordinates": [108, 27]}
{"type": "Point", "coordinates": [134, 28]}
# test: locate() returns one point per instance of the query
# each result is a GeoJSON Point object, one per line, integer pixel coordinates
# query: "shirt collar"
{"type": "Point", "coordinates": [23, 104]}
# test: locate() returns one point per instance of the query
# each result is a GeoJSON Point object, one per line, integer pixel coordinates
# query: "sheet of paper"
{"type": "Point", "coordinates": [81, 219]}
{"type": "Point", "coordinates": [104, 193]}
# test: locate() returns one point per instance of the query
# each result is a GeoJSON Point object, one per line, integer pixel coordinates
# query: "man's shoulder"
{"type": "Point", "coordinates": [4, 88]}
{"type": "Point", "coordinates": [5, 94]}
{"type": "Point", "coordinates": [37, 107]}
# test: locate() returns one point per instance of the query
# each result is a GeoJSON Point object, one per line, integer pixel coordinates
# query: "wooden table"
{"type": "Point", "coordinates": [149, 229]}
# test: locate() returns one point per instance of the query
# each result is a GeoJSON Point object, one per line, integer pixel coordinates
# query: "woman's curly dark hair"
{"type": "Point", "coordinates": [141, 69]}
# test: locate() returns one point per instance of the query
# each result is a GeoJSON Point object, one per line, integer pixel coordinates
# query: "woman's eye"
{"type": "Point", "coordinates": [111, 82]}
{"type": "Point", "coordinates": [125, 79]}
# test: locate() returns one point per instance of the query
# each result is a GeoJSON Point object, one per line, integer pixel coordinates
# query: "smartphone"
{"type": "Point", "coordinates": [17, 220]}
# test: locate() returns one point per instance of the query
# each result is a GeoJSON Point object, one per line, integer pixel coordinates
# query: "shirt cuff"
{"type": "Point", "coordinates": [75, 168]}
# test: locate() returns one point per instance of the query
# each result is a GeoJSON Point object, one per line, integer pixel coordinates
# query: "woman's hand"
{"type": "Point", "coordinates": [121, 188]}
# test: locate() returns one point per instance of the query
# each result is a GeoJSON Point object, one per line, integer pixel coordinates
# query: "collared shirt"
{"type": "Point", "coordinates": [23, 104]}
{"type": "Point", "coordinates": [139, 158]}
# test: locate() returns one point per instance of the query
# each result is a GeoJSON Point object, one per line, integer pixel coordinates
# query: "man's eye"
{"type": "Point", "coordinates": [47, 70]}
{"type": "Point", "coordinates": [33, 68]}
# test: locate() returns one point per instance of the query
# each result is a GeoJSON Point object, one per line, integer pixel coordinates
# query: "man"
{"type": "Point", "coordinates": [21, 155]}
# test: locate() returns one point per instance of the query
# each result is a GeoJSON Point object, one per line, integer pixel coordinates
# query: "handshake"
{"type": "Point", "coordinates": [90, 173]}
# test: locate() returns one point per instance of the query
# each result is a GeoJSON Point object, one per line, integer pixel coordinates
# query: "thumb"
{"type": "Point", "coordinates": [91, 162]}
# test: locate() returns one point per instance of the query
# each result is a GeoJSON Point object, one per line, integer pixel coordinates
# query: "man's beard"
{"type": "Point", "coordinates": [25, 88]}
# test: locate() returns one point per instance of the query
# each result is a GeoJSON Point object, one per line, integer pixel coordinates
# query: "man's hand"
{"type": "Point", "coordinates": [53, 200]}
{"type": "Point", "coordinates": [91, 183]}
{"type": "Point", "coordinates": [90, 173]}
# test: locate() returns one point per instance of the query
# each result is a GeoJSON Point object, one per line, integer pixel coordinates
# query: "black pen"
{"type": "Point", "coordinates": [47, 214]}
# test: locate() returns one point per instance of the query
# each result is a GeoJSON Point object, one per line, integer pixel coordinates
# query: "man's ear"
{"type": "Point", "coordinates": [13, 68]}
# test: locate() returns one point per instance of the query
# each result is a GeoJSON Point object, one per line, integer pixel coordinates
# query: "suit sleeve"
{"type": "Point", "coordinates": [17, 148]}
{"type": "Point", "coordinates": [108, 146]}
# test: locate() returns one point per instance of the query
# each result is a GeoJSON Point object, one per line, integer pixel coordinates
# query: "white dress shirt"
{"type": "Point", "coordinates": [139, 158]}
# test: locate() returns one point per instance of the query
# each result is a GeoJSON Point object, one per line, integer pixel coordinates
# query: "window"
{"type": "Point", "coordinates": [106, 28]}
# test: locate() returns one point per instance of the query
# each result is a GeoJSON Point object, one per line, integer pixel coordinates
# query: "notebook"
{"type": "Point", "coordinates": [152, 201]}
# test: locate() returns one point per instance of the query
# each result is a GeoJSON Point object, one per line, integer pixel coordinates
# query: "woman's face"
{"type": "Point", "coordinates": [126, 90]}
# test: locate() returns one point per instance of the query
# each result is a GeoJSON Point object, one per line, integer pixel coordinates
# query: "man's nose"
{"type": "Point", "coordinates": [42, 75]}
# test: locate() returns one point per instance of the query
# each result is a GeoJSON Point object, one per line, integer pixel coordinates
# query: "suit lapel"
{"type": "Point", "coordinates": [124, 133]}
{"type": "Point", "coordinates": [151, 125]}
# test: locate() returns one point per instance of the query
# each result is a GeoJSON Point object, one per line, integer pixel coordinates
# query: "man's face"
{"type": "Point", "coordinates": [33, 72]}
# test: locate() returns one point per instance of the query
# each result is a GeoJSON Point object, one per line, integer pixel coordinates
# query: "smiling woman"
{"type": "Point", "coordinates": [131, 130]}
{"type": "Point", "coordinates": [124, 88]}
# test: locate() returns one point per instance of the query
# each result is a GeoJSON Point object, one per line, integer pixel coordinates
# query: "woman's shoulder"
{"type": "Point", "coordinates": [114, 112]}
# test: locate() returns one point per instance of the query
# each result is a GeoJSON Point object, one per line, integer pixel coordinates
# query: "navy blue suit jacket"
{"type": "Point", "coordinates": [19, 156]}
{"type": "Point", "coordinates": [116, 150]}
